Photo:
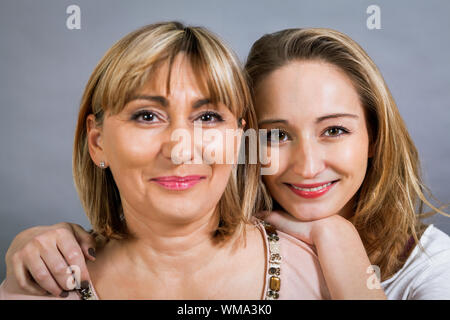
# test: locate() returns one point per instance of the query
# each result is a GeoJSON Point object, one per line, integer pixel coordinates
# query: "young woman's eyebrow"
{"type": "Point", "coordinates": [336, 115]}
{"type": "Point", "coordinates": [271, 121]}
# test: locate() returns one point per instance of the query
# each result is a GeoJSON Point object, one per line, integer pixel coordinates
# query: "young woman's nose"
{"type": "Point", "coordinates": [307, 160]}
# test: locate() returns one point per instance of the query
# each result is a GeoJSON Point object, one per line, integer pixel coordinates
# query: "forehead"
{"type": "Point", "coordinates": [306, 89]}
{"type": "Point", "coordinates": [174, 78]}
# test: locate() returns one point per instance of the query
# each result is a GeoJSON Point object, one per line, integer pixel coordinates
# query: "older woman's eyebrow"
{"type": "Point", "coordinates": [159, 99]}
{"type": "Point", "coordinates": [200, 103]}
{"type": "Point", "coordinates": [270, 121]}
{"type": "Point", "coordinates": [165, 102]}
{"type": "Point", "coordinates": [336, 115]}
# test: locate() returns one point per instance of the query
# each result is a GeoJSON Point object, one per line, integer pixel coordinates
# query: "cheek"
{"type": "Point", "coordinates": [220, 175]}
{"type": "Point", "coordinates": [279, 161]}
{"type": "Point", "coordinates": [129, 148]}
{"type": "Point", "coordinates": [220, 146]}
{"type": "Point", "coordinates": [349, 158]}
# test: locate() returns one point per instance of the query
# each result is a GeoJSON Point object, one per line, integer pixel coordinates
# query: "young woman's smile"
{"type": "Point", "coordinates": [310, 191]}
{"type": "Point", "coordinates": [323, 141]}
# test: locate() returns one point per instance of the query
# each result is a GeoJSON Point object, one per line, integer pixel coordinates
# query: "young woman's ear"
{"type": "Point", "coordinates": [371, 150]}
{"type": "Point", "coordinates": [95, 142]}
{"type": "Point", "coordinates": [241, 123]}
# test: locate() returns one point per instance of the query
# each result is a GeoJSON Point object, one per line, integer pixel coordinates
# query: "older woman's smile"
{"type": "Point", "coordinates": [177, 182]}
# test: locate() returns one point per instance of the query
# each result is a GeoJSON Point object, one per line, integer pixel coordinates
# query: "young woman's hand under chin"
{"type": "Point", "coordinates": [343, 259]}
{"type": "Point", "coordinates": [309, 232]}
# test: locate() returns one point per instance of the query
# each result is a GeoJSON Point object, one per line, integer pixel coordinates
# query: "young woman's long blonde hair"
{"type": "Point", "coordinates": [124, 69]}
{"type": "Point", "coordinates": [390, 201]}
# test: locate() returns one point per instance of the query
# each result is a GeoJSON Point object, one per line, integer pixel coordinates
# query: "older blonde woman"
{"type": "Point", "coordinates": [170, 229]}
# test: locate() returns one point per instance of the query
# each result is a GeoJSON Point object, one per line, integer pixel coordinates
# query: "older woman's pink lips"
{"type": "Point", "coordinates": [177, 182]}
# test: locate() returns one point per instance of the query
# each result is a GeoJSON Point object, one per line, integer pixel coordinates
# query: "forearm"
{"type": "Point", "coordinates": [344, 261]}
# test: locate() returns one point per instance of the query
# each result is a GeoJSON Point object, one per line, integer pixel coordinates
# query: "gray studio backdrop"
{"type": "Point", "coordinates": [44, 66]}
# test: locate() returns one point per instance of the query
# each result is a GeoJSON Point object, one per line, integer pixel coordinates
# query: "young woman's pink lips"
{"type": "Point", "coordinates": [178, 183]}
{"type": "Point", "coordinates": [311, 194]}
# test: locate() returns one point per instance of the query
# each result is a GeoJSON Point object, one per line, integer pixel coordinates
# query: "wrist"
{"type": "Point", "coordinates": [330, 228]}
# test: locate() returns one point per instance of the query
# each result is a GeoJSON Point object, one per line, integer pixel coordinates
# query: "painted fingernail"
{"type": "Point", "coordinates": [84, 284]}
{"type": "Point", "coordinates": [91, 252]}
{"type": "Point", "coordinates": [64, 294]}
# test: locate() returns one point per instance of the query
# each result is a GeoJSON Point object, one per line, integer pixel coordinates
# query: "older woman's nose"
{"type": "Point", "coordinates": [180, 146]}
{"type": "Point", "coordinates": [307, 159]}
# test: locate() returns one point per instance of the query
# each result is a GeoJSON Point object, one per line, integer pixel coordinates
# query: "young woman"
{"type": "Point", "coordinates": [346, 165]}
{"type": "Point", "coordinates": [160, 236]}
{"type": "Point", "coordinates": [345, 156]}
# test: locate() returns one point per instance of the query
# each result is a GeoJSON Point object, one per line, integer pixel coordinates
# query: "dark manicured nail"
{"type": "Point", "coordinates": [64, 294]}
{"type": "Point", "coordinates": [91, 252]}
{"type": "Point", "coordinates": [84, 284]}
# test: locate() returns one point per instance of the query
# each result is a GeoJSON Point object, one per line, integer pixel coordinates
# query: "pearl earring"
{"type": "Point", "coordinates": [102, 164]}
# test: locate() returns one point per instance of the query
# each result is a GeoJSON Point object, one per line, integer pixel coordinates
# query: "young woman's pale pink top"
{"type": "Point", "coordinates": [300, 275]}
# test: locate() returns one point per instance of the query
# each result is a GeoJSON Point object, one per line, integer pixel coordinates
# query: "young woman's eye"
{"type": "Point", "coordinates": [277, 136]}
{"type": "Point", "coordinates": [210, 117]}
{"type": "Point", "coordinates": [145, 116]}
{"type": "Point", "coordinates": [335, 131]}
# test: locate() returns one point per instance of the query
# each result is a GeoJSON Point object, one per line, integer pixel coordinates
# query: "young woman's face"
{"type": "Point", "coordinates": [137, 146]}
{"type": "Point", "coordinates": [323, 138]}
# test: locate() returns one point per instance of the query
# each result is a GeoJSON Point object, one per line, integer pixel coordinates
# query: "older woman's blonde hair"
{"type": "Point", "coordinates": [124, 69]}
{"type": "Point", "coordinates": [390, 202]}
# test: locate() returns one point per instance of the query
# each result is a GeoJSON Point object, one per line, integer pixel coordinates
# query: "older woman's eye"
{"type": "Point", "coordinates": [335, 131]}
{"type": "Point", "coordinates": [210, 117]}
{"type": "Point", "coordinates": [144, 116]}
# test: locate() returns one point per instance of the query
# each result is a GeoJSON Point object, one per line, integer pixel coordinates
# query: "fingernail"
{"type": "Point", "coordinates": [91, 252]}
{"type": "Point", "coordinates": [84, 284]}
{"type": "Point", "coordinates": [64, 294]}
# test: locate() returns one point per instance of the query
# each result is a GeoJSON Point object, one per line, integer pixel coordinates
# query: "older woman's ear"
{"type": "Point", "coordinates": [95, 142]}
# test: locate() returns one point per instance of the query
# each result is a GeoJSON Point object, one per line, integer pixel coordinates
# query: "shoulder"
{"type": "Point", "coordinates": [434, 249]}
{"type": "Point", "coordinates": [299, 269]}
{"type": "Point", "coordinates": [7, 293]}
{"type": "Point", "coordinates": [426, 272]}
{"type": "Point", "coordinates": [435, 240]}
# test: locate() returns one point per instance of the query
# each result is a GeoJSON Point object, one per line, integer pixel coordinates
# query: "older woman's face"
{"type": "Point", "coordinates": [138, 147]}
{"type": "Point", "coordinates": [324, 143]}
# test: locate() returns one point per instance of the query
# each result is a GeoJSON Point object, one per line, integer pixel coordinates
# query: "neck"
{"type": "Point", "coordinates": [178, 247]}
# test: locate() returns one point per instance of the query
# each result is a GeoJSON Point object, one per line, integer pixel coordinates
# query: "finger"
{"type": "Point", "coordinates": [23, 282]}
{"type": "Point", "coordinates": [42, 276]}
{"type": "Point", "coordinates": [72, 253]}
{"type": "Point", "coordinates": [86, 241]}
{"type": "Point", "coordinates": [58, 267]}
